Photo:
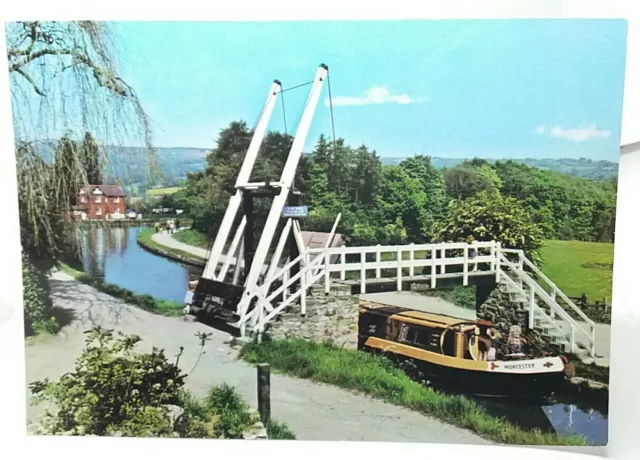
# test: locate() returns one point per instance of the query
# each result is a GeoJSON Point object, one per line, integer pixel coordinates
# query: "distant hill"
{"type": "Point", "coordinates": [129, 166]}
{"type": "Point", "coordinates": [583, 167]}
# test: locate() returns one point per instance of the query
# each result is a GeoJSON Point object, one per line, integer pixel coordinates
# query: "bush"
{"type": "Point", "coordinates": [112, 389]}
{"type": "Point", "coordinates": [116, 391]}
{"type": "Point", "coordinates": [38, 311]}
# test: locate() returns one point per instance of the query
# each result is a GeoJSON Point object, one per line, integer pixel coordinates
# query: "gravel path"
{"type": "Point", "coordinates": [314, 412]}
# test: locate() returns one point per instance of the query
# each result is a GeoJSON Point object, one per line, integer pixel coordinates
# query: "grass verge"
{"type": "Point", "coordinates": [145, 302]}
{"type": "Point", "coordinates": [145, 238]}
{"type": "Point", "coordinates": [379, 378]}
{"type": "Point", "coordinates": [580, 268]}
{"type": "Point", "coordinates": [222, 413]}
{"type": "Point", "coordinates": [163, 191]}
{"type": "Point", "coordinates": [193, 237]}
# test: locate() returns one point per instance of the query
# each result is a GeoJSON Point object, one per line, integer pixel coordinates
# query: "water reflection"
{"type": "Point", "coordinates": [113, 254]}
{"type": "Point", "coordinates": [567, 419]}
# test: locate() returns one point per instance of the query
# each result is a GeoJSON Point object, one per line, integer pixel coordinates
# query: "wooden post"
{"type": "Point", "coordinates": [343, 261]}
{"type": "Point", "coordinates": [399, 270]}
{"type": "Point", "coordinates": [532, 306]}
{"type": "Point", "coordinates": [433, 267]}
{"type": "Point", "coordinates": [377, 261]}
{"type": "Point", "coordinates": [327, 273]}
{"type": "Point", "coordinates": [363, 272]}
{"type": "Point", "coordinates": [465, 268]}
{"type": "Point", "coordinates": [264, 393]}
{"type": "Point", "coordinates": [411, 258]}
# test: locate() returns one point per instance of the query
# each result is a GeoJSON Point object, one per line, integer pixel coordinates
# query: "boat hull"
{"type": "Point", "coordinates": [531, 387]}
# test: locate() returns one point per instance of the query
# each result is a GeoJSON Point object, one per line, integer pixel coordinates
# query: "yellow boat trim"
{"type": "Point", "coordinates": [424, 355]}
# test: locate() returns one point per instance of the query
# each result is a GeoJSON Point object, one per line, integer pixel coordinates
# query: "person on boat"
{"type": "Point", "coordinates": [515, 339]}
{"type": "Point", "coordinates": [484, 341]}
{"type": "Point", "coordinates": [473, 253]}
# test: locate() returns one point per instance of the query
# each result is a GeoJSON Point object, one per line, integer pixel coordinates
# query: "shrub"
{"type": "Point", "coordinates": [116, 391]}
{"type": "Point", "coordinates": [112, 389]}
{"type": "Point", "coordinates": [38, 316]}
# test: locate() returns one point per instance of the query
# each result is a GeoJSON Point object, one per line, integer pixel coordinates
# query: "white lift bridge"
{"type": "Point", "coordinates": [250, 289]}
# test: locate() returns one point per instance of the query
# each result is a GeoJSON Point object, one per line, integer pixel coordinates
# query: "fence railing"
{"type": "Point", "coordinates": [443, 260]}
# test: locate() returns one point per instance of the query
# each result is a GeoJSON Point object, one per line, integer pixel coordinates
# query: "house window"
{"type": "Point", "coordinates": [98, 199]}
{"type": "Point", "coordinates": [83, 199]}
{"type": "Point", "coordinates": [98, 211]}
{"type": "Point", "coordinates": [116, 199]}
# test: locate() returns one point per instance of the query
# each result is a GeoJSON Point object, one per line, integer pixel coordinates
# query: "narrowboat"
{"type": "Point", "coordinates": [444, 351]}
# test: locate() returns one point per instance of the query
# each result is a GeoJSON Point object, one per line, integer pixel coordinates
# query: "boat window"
{"type": "Point", "coordinates": [422, 337]}
{"type": "Point", "coordinates": [449, 343]}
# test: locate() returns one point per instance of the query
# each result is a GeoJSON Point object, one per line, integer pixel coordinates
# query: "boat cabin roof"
{"type": "Point", "coordinates": [413, 316]}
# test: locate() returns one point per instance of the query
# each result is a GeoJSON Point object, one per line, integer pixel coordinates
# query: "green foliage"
{"type": "Point", "coordinates": [565, 207]}
{"type": "Point", "coordinates": [491, 217]}
{"type": "Point", "coordinates": [115, 390]}
{"type": "Point", "coordinates": [38, 311]}
{"type": "Point", "coordinates": [379, 378]}
{"type": "Point", "coordinates": [465, 181]}
{"type": "Point", "coordinates": [112, 389]}
{"type": "Point", "coordinates": [462, 296]}
{"type": "Point", "coordinates": [193, 237]}
{"type": "Point", "coordinates": [232, 412]}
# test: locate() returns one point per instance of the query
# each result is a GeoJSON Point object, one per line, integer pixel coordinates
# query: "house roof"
{"type": "Point", "coordinates": [106, 189]}
{"type": "Point", "coordinates": [317, 240]}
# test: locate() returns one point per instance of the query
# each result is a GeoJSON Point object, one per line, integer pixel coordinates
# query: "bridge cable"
{"type": "Point", "coordinates": [296, 87]}
{"type": "Point", "coordinates": [333, 126]}
{"type": "Point", "coordinates": [284, 113]}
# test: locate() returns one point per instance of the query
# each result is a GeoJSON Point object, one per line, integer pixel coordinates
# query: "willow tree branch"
{"type": "Point", "coordinates": [27, 77]}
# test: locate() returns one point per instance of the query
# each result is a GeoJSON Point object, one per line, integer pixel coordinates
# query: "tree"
{"type": "Point", "coordinates": [463, 181]}
{"type": "Point", "coordinates": [69, 173]}
{"type": "Point", "coordinates": [402, 197]}
{"type": "Point", "coordinates": [91, 159]}
{"type": "Point", "coordinates": [64, 79]}
{"type": "Point", "coordinates": [432, 180]}
{"type": "Point", "coordinates": [488, 216]}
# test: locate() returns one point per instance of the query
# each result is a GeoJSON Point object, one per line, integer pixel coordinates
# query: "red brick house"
{"type": "Point", "coordinates": [100, 202]}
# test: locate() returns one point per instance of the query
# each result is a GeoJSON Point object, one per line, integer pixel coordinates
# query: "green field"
{"type": "Point", "coordinates": [163, 191]}
{"type": "Point", "coordinates": [193, 237]}
{"type": "Point", "coordinates": [577, 267]}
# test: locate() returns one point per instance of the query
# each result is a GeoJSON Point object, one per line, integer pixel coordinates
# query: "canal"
{"type": "Point", "coordinates": [114, 254]}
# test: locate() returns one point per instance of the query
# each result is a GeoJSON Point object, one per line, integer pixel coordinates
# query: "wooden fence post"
{"type": "Point", "coordinates": [264, 393]}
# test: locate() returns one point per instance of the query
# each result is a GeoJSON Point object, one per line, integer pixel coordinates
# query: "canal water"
{"type": "Point", "coordinates": [113, 253]}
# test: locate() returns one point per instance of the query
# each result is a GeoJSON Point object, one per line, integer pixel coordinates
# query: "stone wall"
{"type": "Point", "coordinates": [329, 318]}
{"type": "Point", "coordinates": [500, 309]}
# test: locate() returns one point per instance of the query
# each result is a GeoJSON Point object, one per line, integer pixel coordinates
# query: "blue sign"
{"type": "Point", "coordinates": [295, 211]}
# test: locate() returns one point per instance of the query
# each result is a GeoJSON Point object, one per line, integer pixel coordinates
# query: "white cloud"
{"type": "Point", "coordinates": [374, 95]}
{"type": "Point", "coordinates": [574, 134]}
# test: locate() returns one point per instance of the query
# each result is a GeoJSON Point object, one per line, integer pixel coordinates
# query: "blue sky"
{"type": "Point", "coordinates": [503, 88]}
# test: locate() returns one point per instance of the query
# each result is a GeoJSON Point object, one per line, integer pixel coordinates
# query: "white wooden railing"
{"type": "Point", "coordinates": [403, 259]}
{"type": "Point", "coordinates": [550, 300]}
{"type": "Point", "coordinates": [321, 265]}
